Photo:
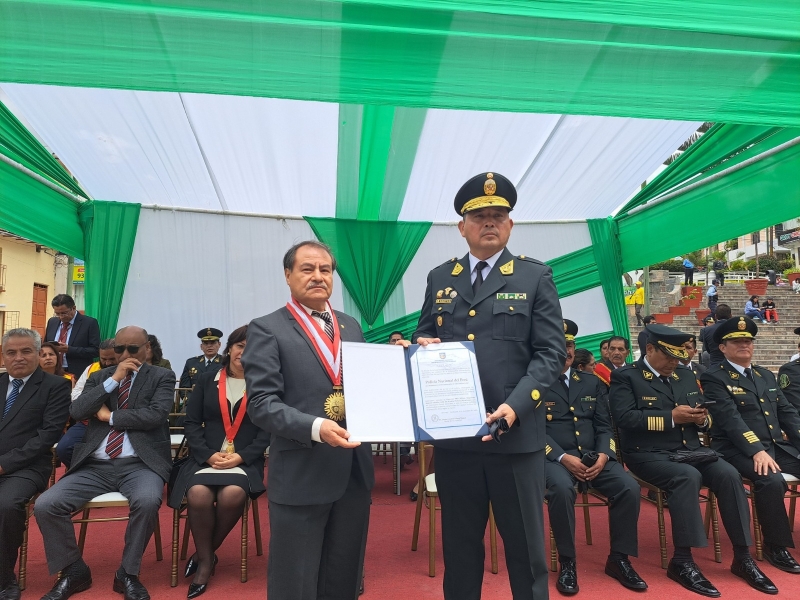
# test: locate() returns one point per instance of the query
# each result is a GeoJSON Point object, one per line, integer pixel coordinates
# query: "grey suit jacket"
{"type": "Point", "coordinates": [516, 326]}
{"type": "Point", "coordinates": [286, 390]}
{"type": "Point", "coordinates": [144, 421]}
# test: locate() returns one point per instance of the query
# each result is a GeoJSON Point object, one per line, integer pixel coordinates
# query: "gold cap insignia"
{"type": "Point", "coordinates": [565, 327]}
{"type": "Point", "coordinates": [334, 406]}
{"type": "Point", "coordinates": [741, 325]}
{"type": "Point", "coordinates": [208, 332]}
{"type": "Point", "coordinates": [490, 186]}
{"type": "Point", "coordinates": [508, 268]}
{"type": "Point", "coordinates": [457, 269]}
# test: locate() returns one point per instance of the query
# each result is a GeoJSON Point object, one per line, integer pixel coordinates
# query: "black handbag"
{"type": "Point", "coordinates": [181, 457]}
{"type": "Point", "coordinates": [695, 457]}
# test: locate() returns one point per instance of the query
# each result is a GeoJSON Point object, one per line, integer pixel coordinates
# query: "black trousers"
{"type": "Point", "coordinates": [682, 484]}
{"type": "Point", "coordinates": [615, 484]}
{"type": "Point", "coordinates": [316, 552]}
{"type": "Point", "coordinates": [514, 484]}
{"type": "Point", "coordinates": [15, 491]}
{"type": "Point", "coordinates": [769, 491]}
{"type": "Point", "coordinates": [688, 276]}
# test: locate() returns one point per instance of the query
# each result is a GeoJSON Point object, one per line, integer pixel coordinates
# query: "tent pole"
{"type": "Point", "coordinates": [42, 180]}
{"type": "Point", "coordinates": [716, 176]}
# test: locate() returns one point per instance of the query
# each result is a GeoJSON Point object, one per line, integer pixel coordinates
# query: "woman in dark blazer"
{"type": "Point", "coordinates": [219, 476]}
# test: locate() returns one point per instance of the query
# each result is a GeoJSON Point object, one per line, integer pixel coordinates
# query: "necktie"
{"type": "Point", "coordinates": [325, 316]}
{"type": "Point", "coordinates": [563, 380]}
{"type": "Point", "coordinates": [482, 264]}
{"type": "Point", "coordinates": [15, 385]}
{"type": "Point", "coordinates": [62, 337]}
{"type": "Point", "coordinates": [666, 381]}
{"type": "Point", "coordinates": [748, 373]}
{"type": "Point", "coordinates": [115, 438]}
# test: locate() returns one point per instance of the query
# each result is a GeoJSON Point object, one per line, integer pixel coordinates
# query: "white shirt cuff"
{"type": "Point", "coordinates": [315, 427]}
{"type": "Point", "coordinates": [110, 385]}
{"type": "Point", "coordinates": [560, 457]}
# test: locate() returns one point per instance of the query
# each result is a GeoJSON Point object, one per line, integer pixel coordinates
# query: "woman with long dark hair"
{"type": "Point", "coordinates": [584, 361]}
{"type": "Point", "coordinates": [227, 460]}
{"type": "Point", "coordinates": [50, 360]}
{"type": "Point", "coordinates": [155, 355]}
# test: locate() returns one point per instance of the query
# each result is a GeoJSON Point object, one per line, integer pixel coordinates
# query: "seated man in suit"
{"type": "Point", "coordinates": [659, 411]}
{"type": "Point", "coordinates": [35, 409]}
{"type": "Point", "coordinates": [578, 424]}
{"type": "Point", "coordinates": [686, 363]}
{"type": "Point", "coordinates": [126, 449]}
{"type": "Point", "coordinates": [749, 415]}
{"type": "Point", "coordinates": [77, 335]}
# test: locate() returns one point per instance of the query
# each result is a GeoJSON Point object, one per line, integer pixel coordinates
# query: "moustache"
{"type": "Point", "coordinates": [311, 286]}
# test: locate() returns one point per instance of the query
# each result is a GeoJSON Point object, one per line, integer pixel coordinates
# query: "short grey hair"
{"type": "Point", "coordinates": [23, 332]}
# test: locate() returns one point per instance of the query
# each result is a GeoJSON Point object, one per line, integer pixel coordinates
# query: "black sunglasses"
{"type": "Point", "coordinates": [131, 349]}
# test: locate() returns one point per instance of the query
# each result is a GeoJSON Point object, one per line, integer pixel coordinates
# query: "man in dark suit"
{"type": "Point", "coordinates": [209, 361]}
{"type": "Point", "coordinates": [579, 429]}
{"type": "Point", "coordinates": [319, 482]}
{"type": "Point", "coordinates": [707, 335]}
{"type": "Point", "coordinates": [749, 415]}
{"type": "Point", "coordinates": [35, 410]}
{"type": "Point", "coordinates": [686, 363]}
{"type": "Point", "coordinates": [789, 379]}
{"type": "Point", "coordinates": [659, 413]}
{"type": "Point", "coordinates": [77, 335]}
{"type": "Point", "coordinates": [641, 339]}
{"type": "Point", "coordinates": [508, 306]}
{"type": "Point", "coordinates": [618, 351]}
{"type": "Point", "coordinates": [126, 449]}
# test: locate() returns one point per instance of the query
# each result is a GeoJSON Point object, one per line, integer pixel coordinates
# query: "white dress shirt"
{"type": "Point", "coordinates": [11, 387]}
{"type": "Point", "coordinates": [473, 261]}
{"type": "Point", "coordinates": [110, 385]}
{"type": "Point", "coordinates": [69, 334]}
{"type": "Point", "coordinates": [740, 368]}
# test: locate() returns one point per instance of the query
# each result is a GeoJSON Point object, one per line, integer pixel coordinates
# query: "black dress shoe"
{"type": "Point", "coordinates": [781, 559]}
{"type": "Point", "coordinates": [191, 565]}
{"type": "Point", "coordinates": [622, 570]}
{"type": "Point", "coordinates": [413, 495]}
{"type": "Point", "coordinates": [69, 584]}
{"type": "Point", "coordinates": [196, 589]}
{"type": "Point", "coordinates": [361, 587]}
{"type": "Point", "coordinates": [130, 587]}
{"type": "Point", "coordinates": [689, 576]}
{"type": "Point", "coordinates": [10, 592]}
{"type": "Point", "coordinates": [567, 582]}
{"type": "Point", "coordinates": [748, 570]}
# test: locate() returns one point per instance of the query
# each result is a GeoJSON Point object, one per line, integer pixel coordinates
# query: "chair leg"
{"type": "Point", "coordinates": [244, 542]}
{"type": "Point", "coordinates": [395, 474]}
{"type": "Point", "coordinates": [587, 520]}
{"type": "Point", "coordinates": [185, 545]}
{"type": "Point", "coordinates": [662, 532]}
{"type": "Point", "coordinates": [176, 536]}
{"type": "Point", "coordinates": [432, 536]}
{"type": "Point", "coordinates": [417, 517]}
{"type": "Point", "coordinates": [756, 528]}
{"type": "Point", "coordinates": [792, 506]}
{"type": "Point", "coordinates": [157, 540]}
{"type": "Point", "coordinates": [553, 553]}
{"type": "Point", "coordinates": [23, 550]}
{"type": "Point", "coordinates": [493, 540]}
{"type": "Point", "coordinates": [257, 528]}
{"type": "Point", "coordinates": [383, 451]}
{"type": "Point", "coordinates": [707, 516]}
{"type": "Point", "coordinates": [712, 501]}
{"type": "Point", "coordinates": [82, 535]}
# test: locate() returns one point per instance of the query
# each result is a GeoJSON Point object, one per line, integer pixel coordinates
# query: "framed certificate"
{"type": "Point", "coordinates": [426, 393]}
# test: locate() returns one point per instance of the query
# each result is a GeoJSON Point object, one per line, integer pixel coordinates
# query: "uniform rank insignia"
{"type": "Point", "coordinates": [575, 377]}
{"type": "Point", "coordinates": [508, 268]}
{"type": "Point", "coordinates": [784, 381]}
{"type": "Point", "coordinates": [734, 375]}
{"type": "Point", "coordinates": [512, 296]}
{"type": "Point", "coordinates": [457, 269]}
{"type": "Point", "coordinates": [675, 376]}
{"type": "Point", "coordinates": [647, 375]}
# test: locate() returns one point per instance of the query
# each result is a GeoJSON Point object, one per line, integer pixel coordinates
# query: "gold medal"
{"type": "Point", "coordinates": [334, 405]}
{"type": "Point", "coordinates": [230, 448]}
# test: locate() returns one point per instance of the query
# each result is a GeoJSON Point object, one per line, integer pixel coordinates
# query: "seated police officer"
{"type": "Point", "coordinates": [749, 415]}
{"type": "Point", "coordinates": [659, 413]}
{"type": "Point", "coordinates": [579, 427]}
{"type": "Point", "coordinates": [209, 361]}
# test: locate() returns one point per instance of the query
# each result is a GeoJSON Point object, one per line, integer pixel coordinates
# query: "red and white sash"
{"type": "Point", "coordinates": [329, 352]}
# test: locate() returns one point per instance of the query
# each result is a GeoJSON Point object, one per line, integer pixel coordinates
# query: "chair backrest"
{"type": "Point", "coordinates": [178, 412]}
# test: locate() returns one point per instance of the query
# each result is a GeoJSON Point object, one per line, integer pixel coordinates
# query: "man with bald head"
{"type": "Point", "coordinates": [126, 449]}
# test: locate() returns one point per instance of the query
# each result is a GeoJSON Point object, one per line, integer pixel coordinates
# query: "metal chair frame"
{"type": "Point", "coordinates": [585, 503]}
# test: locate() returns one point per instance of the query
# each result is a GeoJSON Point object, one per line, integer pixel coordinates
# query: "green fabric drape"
{"type": "Point", "coordinates": [575, 272]}
{"type": "Point", "coordinates": [17, 143]}
{"type": "Point", "coordinates": [605, 244]}
{"type": "Point", "coordinates": [371, 255]}
{"type": "Point", "coordinates": [592, 342]}
{"type": "Point", "coordinates": [731, 61]}
{"type": "Point", "coordinates": [110, 229]}
{"type": "Point", "coordinates": [406, 324]}
{"type": "Point", "coordinates": [34, 211]}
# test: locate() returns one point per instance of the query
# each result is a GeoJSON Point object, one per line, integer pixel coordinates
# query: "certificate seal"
{"type": "Point", "coordinates": [334, 406]}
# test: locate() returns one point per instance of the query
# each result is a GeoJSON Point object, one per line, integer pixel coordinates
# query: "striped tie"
{"type": "Point", "coordinates": [116, 437]}
{"type": "Point", "coordinates": [15, 385]}
{"type": "Point", "coordinates": [325, 316]}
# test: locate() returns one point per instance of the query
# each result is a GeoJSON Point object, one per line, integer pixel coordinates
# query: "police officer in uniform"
{"type": "Point", "coordinates": [508, 306]}
{"type": "Point", "coordinates": [789, 379]}
{"type": "Point", "coordinates": [579, 424]}
{"type": "Point", "coordinates": [656, 408]}
{"type": "Point", "coordinates": [749, 415]}
{"type": "Point", "coordinates": [209, 361]}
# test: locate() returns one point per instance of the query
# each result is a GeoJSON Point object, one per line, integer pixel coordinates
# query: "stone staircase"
{"type": "Point", "coordinates": [775, 344]}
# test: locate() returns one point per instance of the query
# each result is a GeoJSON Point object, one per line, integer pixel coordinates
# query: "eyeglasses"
{"type": "Point", "coordinates": [132, 349]}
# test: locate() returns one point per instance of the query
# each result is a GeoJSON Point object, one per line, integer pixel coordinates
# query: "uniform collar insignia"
{"type": "Point", "coordinates": [508, 268]}
{"type": "Point", "coordinates": [733, 374]}
{"type": "Point", "coordinates": [675, 376]}
{"type": "Point", "coordinates": [457, 269]}
{"type": "Point", "coordinates": [647, 374]}
{"type": "Point", "coordinates": [575, 376]}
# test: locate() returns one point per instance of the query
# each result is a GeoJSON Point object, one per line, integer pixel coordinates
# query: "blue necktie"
{"type": "Point", "coordinates": [15, 385]}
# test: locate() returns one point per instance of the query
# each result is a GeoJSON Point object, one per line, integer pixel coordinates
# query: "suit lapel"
{"type": "Point", "coordinates": [136, 386]}
{"type": "Point", "coordinates": [303, 335]}
{"type": "Point", "coordinates": [740, 379]}
{"type": "Point", "coordinates": [558, 389]}
{"type": "Point", "coordinates": [495, 280]}
{"type": "Point", "coordinates": [462, 282]}
{"type": "Point", "coordinates": [30, 388]}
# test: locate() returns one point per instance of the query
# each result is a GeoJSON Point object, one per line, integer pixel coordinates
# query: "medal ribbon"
{"type": "Point", "coordinates": [231, 429]}
{"type": "Point", "coordinates": [330, 353]}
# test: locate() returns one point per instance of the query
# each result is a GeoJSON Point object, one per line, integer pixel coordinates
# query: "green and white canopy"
{"type": "Point", "coordinates": [208, 136]}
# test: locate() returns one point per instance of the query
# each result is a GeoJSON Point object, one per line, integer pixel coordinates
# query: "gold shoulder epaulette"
{"type": "Point", "coordinates": [529, 259]}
